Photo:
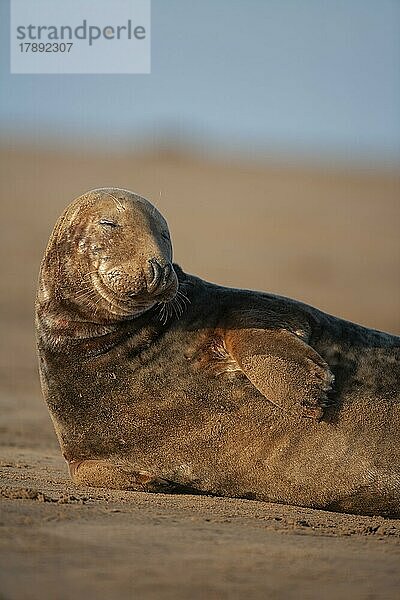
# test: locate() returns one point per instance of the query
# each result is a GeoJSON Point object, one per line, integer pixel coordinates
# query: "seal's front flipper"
{"type": "Point", "coordinates": [105, 473]}
{"type": "Point", "coordinates": [286, 370]}
{"type": "Point", "coordinates": [108, 474]}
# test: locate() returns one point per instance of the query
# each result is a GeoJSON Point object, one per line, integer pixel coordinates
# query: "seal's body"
{"type": "Point", "coordinates": [160, 381]}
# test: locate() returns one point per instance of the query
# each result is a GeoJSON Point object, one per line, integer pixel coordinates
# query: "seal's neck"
{"type": "Point", "coordinates": [59, 330]}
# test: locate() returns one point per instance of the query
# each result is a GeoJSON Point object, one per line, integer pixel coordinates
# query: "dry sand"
{"type": "Point", "coordinates": [328, 238]}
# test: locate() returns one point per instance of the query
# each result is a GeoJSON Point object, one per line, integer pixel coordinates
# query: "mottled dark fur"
{"type": "Point", "coordinates": [230, 396]}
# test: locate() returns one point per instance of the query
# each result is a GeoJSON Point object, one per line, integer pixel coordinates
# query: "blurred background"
{"type": "Point", "coordinates": [268, 134]}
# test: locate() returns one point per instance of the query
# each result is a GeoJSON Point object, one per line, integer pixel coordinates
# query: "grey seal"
{"type": "Point", "coordinates": [158, 380]}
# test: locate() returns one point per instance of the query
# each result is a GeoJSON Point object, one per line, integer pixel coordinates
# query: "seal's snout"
{"type": "Point", "coordinates": [159, 277]}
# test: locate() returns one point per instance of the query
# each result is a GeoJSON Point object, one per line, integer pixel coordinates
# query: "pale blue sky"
{"type": "Point", "coordinates": [308, 77]}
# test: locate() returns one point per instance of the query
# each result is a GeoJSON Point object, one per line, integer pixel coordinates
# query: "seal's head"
{"type": "Point", "coordinates": [109, 257]}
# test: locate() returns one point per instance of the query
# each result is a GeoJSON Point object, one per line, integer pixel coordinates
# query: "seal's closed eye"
{"type": "Point", "coordinates": [108, 223]}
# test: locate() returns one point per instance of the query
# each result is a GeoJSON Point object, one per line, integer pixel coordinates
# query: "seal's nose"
{"type": "Point", "coordinates": [158, 275]}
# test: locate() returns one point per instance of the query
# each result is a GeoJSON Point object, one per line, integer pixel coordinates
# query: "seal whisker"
{"type": "Point", "coordinates": [172, 306]}
{"type": "Point", "coordinates": [176, 309]}
{"type": "Point", "coordinates": [85, 295]}
{"type": "Point", "coordinates": [161, 312]}
{"type": "Point", "coordinates": [183, 296]}
{"type": "Point", "coordinates": [162, 316]}
{"type": "Point", "coordinates": [85, 287]}
{"type": "Point", "coordinates": [167, 313]}
{"type": "Point", "coordinates": [89, 291]}
{"type": "Point", "coordinates": [84, 290]}
{"type": "Point", "coordinates": [96, 305]}
{"type": "Point", "coordinates": [87, 299]}
{"type": "Point", "coordinates": [179, 306]}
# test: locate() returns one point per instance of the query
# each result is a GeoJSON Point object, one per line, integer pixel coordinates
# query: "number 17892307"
{"type": "Point", "coordinates": [45, 46]}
